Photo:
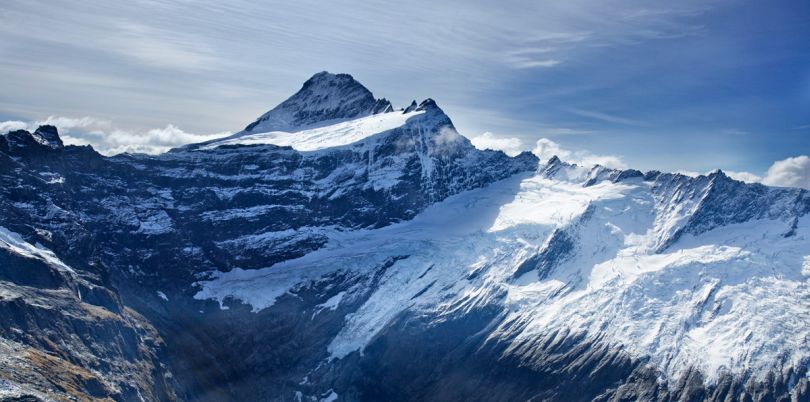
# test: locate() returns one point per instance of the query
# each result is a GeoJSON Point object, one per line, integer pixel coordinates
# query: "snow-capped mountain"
{"type": "Point", "coordinates": [325, 98]}
{"type": "Point", "coordinates": [339, 249]}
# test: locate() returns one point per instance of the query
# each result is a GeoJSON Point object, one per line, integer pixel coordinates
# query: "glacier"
{"type": "Point", "coordinates": [734, 299]}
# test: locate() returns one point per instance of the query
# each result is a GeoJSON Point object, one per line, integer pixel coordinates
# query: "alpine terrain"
{"type": "Point", "coordinates": [341, 249]}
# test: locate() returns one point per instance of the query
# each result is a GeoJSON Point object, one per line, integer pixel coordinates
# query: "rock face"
{"type": "Point", "coordinates": [325, 97]}
{"type": "Point", "coordinates": [22, 142]}
{"type": "Point", "coordinates": [337, 249]}
{"type": "Point", "coordinates": [65, 335]}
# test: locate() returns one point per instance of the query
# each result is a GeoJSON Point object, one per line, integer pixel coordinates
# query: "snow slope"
{"type": "Point", "coordinates": [14, 243]}
{"type": "Point", "coordinates": [734, 299]}
{"type": "Point", "coordinates": [325, 136]}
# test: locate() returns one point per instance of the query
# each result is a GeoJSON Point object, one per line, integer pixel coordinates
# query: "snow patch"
{"type": "Point", "coordinates": [332, 303]}
{"type": "Point", "coordinates": [14, 243]}
{"type": "Point", "coordinates": [52, 178]}
{"type": "Point", "coordinates": [330, 397]}
{"type": "Point", "coordinates": [154, 224]}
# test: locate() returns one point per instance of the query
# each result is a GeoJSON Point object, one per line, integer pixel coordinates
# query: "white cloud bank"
{"type": "Point", "coordinates": [12, 125]}
{"type": "Point", "coordinates": [545, 149]}
{"type": "Point", "coordinates": [743, 176]}
{"type": "Point", "coordinates": [108, 139]}
{"type": "Point", "coordinates": [790, 172]}
{"type": "Point", "coordinates": [509, 145]}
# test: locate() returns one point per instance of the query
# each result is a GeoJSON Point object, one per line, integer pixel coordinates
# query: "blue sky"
{"type": "Point", "coordinates": [677, 86]}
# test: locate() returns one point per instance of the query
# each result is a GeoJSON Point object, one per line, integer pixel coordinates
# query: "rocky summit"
{"type": "Point", "coordinates": [339, 249]}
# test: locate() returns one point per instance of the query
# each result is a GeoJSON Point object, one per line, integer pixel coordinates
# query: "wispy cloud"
{"type": "Point", "coordinates": [641, 24]}
{"type": "Point", "coordinates": [531, 51]}
{"type": "Point", "coordinates": [159, 47]}
{"type": "Point", "coordinates": [605, 117]}
{"type": "Point", "coordinates": [535, 63]}
{"type": "Point", "coordinates": [543, 49]}
{"type": "Point", "coordinates": [563, 131]}
{"type": "Point", "coordinates": [557, 38]}
{"type": "Point", "coordinates": [734, 131]}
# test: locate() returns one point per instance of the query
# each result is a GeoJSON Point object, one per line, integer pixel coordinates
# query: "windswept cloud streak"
{"type": "Point", "coordinates": [158, 47]}
{"type": "Point", "coordinates": [606, 117]}
{"type": "Point", "coordinates": [536, 63]}
{"type": "Point", "coordinates": [542, 47]}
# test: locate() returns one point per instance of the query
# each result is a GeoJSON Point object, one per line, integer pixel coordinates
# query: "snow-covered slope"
{"type": "Point", "coordinates": [733, 299]}
{"type": "Point", "coordinates": [331, 136]}
{"type": "Point", "coordinates": [339, 249]}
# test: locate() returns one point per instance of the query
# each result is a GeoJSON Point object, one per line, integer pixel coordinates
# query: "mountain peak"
{"type": "Point", "coordinates": [48, 135]}
{"type": "Point", "coordinates": [45, 136]}
{"type": "Point", "coordinates": [411, 107]}
{"type": "Point", "coordinates": [428, 104]}
{"type": "Point", "coordinates": [323, 97]}
{"type": "Point", "coordinates": [326, 79]}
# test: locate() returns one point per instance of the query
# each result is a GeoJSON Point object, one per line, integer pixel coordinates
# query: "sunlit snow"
{"type": "Point", "coordinates": [735, 298]}
{"type": "Point", "coordinates": [15, 244]}
{"type": "Point", "coordinates": [322, 137]}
